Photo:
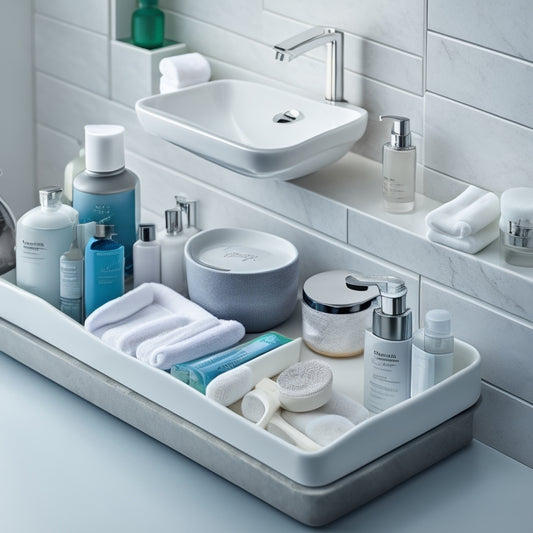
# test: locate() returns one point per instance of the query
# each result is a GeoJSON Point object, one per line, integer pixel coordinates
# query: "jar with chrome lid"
{"type": "Point", "coordinates": [516, 226]}
{"type": "Point", "coordinates": [334, 318]}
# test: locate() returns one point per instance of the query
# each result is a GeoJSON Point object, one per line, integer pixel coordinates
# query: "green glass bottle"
{"type": "Point", "coordinates": [148, 25]}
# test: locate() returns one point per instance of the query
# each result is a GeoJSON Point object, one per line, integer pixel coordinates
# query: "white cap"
{"type": "Point", "coordinates": [104, 147]}
{"type": "Point", "coordinates": [517, 207]}
{"type": "Point", "coordinates": [438, 323]}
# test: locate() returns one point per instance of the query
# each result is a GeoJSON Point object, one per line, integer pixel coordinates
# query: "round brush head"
{"type": "Point", "coordinates": [305, 386]}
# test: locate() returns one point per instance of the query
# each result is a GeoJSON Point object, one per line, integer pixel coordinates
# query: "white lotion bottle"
{"type": "Point", "coordinates": [387, 355]}
{"type": "Point", "coordinates": [146, 257]}
{"type": "Point", "coordinates": [43, 234]}
{"type": "Point", "coordinates": [399, 167]}
{"type": "Point", "coordinates": [432, 354]}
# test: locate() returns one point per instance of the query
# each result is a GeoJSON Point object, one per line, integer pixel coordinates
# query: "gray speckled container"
{"type": "Point", "coordinates": [243, 275]}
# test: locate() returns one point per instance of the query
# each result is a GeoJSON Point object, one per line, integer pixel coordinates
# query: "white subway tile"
{"type": "Point", "coordinates": [476, 147]}
{"type": "Point", "coordinates": [504, 341]}
{"type": "Point", "coordinates": [481, 78]}
{"type": "Point", "coordinates": [54, 151]}
{"type": "Point", "coordinates": [503, 26]}
{"type": "Point", "coordinates": [72, 54]}
{"type": "Point", "coordinates": [505, 423]}
{"type": "Point", "coordinates": [398, 24]}
{"type": "Point", "coordinates": [90, 14]}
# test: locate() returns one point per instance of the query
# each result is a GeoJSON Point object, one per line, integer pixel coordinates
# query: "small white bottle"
{"type": "Point", "coordinates": [387, 355]}
{"type": "Point", "coordinates": [43, 234]}
{"type": "Point", "coordinates": [71, 280]}
{"type": "Point", "coordinates": [146, 257]}
{"type": "Point", "coordinates": [399, 167]}
{"type": "Point", "coordinates": [432, 353]}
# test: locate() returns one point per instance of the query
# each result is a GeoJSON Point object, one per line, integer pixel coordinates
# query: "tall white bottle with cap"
{"type": "Point", "coordinates": [43, 234]}
{"type": "Point", "coordinates": [107, 192]}
{"type": "Point", "coordinates": [432, 355]}
{"type": "Point", "coordinates": [146, 257]}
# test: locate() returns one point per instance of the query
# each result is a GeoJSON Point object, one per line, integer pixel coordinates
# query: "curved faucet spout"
{"type": "Point", "coordinates": [309, 39]}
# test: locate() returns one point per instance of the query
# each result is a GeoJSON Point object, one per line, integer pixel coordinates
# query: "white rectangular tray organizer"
{"type": "Point", "coordinates": [368, 441]}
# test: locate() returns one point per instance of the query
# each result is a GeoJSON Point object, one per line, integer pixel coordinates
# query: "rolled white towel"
{"type": "Point", "coordinates": [465, 215]}
{"type": "Point", "coordinates": [471, 244]}
{"type": "Point", "coordinates": [184, 70]}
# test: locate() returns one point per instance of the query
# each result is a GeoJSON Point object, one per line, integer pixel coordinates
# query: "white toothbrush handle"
{"type": "Point", "coordinates": [281, 428]}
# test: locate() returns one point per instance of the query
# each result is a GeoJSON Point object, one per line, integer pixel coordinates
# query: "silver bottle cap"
{"type": "Point", "coordinates": [393, 321]}
{"type": "Point", "coordinates": [400, 135]}
{"type": "Point", "coordinates": [50, 196]}
{"type": "Point", "coordinates": [173, 221]}
{"type": "Point", "coordinates": [104, 231]}
{"type": "Point", "coordinates": [189, 208]}
{"type": "Point", "coordinates": [147, 232]}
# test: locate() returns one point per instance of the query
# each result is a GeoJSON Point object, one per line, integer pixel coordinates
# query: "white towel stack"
{"type": "Point", "coordinates": [160, 327]}
{"type": "Point", "coordinates": [467, 223]}
{"type": "Point", "coordinates": [178, 72]}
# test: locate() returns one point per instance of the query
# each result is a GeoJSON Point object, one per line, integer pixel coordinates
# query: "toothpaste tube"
{"type": "Point", "coordinates": [200, 372]}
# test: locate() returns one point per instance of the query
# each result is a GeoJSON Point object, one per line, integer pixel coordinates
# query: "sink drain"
{"type": "Point", "coordinates": [292, 115]}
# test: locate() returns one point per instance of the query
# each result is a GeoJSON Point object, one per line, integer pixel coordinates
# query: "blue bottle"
{"type": "Point", "coordinates": [106, 192]}
{"type": "Point", "coordinates": [104, 269]}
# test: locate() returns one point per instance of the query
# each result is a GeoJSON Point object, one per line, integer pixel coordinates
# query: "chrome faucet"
{"type": "Point", "coordinates": [334, 40]}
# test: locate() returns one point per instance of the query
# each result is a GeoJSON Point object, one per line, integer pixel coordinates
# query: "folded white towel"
{"type": "Point", "coordinates": [160, 327]}
{"type": "Point", "coordinates": [471, 244]}
{"type": "Point", "coordinates": [184, 70]}
{"type": "Point", "coordinates": [465, 215]}
{"type": "Point", "coordinates": [166, 86]}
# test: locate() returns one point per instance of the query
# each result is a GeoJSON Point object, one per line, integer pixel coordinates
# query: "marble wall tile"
{"type": "Point", "coordinates": [93, 16]}
{"type": "Point", "coordinates": [502, 26]}
{"type": "Point", "coordinates": [441, 187]}
{"type": "Point", "coordinates": [400, 25]}
{"type": "Point", "coordinates": [503, 340]}
{"type": "Point", "coordinates": [505, 423]}
{"type": "Point", "coordinates": [484, 79]}
{"type": "Point", "coordinates": [54, 151]}
{"type": "Point", "coordinates": [135, 71]}
{"type": "Point", "coordinates": [72, 54]}
{"type": "Point", "coordinates": [476, 147]}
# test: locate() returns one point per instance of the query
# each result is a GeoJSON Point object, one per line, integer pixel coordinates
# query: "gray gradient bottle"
{"type": "Point", "coordinates": [107, 192]}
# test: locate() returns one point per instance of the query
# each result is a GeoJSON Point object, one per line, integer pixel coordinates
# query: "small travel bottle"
{"type": "Point", "coordinates": [399, 167]}
{"type": "Point", "coordinates": [104, 269]}
{"type": "Point", "coordinates": [43, 234]}
{"type": "Point", "coordinates": [146, 257]}
{"type": "Point", "coordinates": [172, 243]}
{"type": "Point", "coordinates": [107, 192]}
{"type": "Point", "coordinates": [432, 353]}
{"type": "Point", "coordinates": [71, 280]}
{"type": "Point", "coordinates": [387, 355]}
{"type": "Point", "coordinates": [148, 25]}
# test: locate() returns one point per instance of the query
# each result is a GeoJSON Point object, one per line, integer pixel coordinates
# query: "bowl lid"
{"type": "Point", "coordinates": [240, 250]}
{"type": "Point", "coordinates": [327, 292]}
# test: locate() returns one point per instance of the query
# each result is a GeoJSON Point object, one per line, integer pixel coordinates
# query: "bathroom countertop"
{"type": "Point", "coordinates": [66, 465]}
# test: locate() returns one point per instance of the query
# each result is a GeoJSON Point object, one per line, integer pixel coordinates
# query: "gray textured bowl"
{"type": "Point", "coordinates": [244, 275]}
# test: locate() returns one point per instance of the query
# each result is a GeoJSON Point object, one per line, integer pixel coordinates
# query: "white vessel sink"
{"type": "Point", "coordinates": [254, 129]}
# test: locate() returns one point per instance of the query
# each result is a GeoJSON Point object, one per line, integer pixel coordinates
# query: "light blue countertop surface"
{"type": "Point", "coordinates": [67, 466]}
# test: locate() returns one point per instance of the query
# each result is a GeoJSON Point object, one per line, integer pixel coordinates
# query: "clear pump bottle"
{"type": "Point", "coordinates": [387, 355]}
{"type": "Point", "coordinates": [432, 355]}
{"type": "Point", "coordinates": [71, 280]}
{"type": "Point", "coordinates": [399, 167]}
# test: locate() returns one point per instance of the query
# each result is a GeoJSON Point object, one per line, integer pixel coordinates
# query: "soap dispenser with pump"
{"type": "Point", "coordinates": [387, 355]}
{"type": "Point", "coordinates": [399, 167]}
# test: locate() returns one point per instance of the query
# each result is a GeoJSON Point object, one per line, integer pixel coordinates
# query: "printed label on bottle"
{"type": "Point", "coordinates": [387, 372]}
{"type": "Point", "coordinates": [422, 370]}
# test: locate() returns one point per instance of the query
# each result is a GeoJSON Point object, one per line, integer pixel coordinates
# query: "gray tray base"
{"type": "Point", "coordinates": [314, 506]}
